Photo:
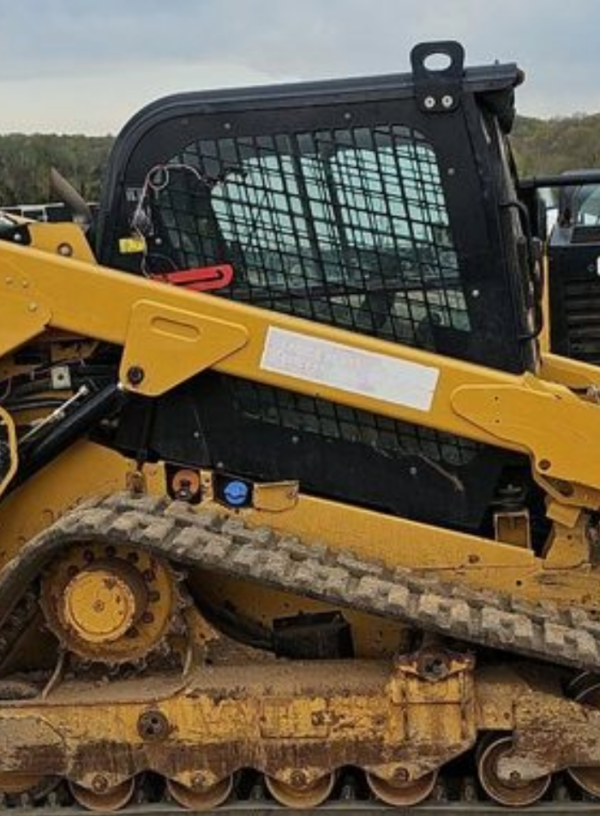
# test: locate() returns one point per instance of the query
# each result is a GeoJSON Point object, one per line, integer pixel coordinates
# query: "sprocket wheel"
{"type": "Point", "coordinates": [108, 604]}
{"type": "Point", "coordinates": [104, 801]}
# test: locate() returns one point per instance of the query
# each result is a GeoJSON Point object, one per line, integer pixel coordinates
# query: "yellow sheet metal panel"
{"type": "Point", "coordinates": [65, 239]}
{"type": "Point", "coordinates": [166, 345]}
{"type": "Point", "coordinates": [22, 316]}
{"type": "Point", "coordinates": [319, 360]}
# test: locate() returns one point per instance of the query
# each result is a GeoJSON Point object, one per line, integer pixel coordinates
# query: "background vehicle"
{"type": "Point", "coordinates": [574, 279]}
{"type": "Point", "coordinates": [295, 498]}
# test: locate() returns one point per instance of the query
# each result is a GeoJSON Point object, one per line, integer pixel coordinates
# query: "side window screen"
{"type": "Point", "coordinates": [347, 227]}
{"type": "Point", "coordinates": [587, 209]}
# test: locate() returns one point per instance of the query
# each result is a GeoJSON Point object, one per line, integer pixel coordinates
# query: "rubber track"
{"type": "Point", "coordinates": [225, 544]}
{"type": "Point", "coordinates": [335, 808]}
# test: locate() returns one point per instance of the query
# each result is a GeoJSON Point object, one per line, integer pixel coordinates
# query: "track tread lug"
{"type": "Point", "coordinates": [192, 535]}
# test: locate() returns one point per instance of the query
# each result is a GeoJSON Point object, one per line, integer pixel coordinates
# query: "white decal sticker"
{"type": "Point", "coordinates": [350, 369]}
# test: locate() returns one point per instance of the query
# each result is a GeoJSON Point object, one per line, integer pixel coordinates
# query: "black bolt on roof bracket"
{"type": "Point", "coordinates": [438, 90]}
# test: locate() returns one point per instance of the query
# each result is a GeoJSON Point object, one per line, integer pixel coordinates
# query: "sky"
{"type": "Point", "coordinates": [86, 66]}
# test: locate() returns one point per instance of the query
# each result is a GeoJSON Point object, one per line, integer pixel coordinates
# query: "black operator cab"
{"type": "Point", "coordinates": [384, 206]}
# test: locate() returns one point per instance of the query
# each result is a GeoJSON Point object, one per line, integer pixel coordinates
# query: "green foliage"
{"type": "Point", "coordinates": [25, 162]}
{"type": "Point", "coordinates": [548, 146]}
{"type": "Point", "coordinates": [540, 147]}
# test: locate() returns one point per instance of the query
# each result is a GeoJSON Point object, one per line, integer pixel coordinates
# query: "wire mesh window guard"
{"type": "Point", "coordinates": [343, 227]}
{"type": "Point", "coordinates": [346, 227]}
{"type": "Point", "coordinates": [307, 415]}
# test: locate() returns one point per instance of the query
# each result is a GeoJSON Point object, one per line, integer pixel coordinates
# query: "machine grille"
{"type": "Point", "coordinates": [582, 309]}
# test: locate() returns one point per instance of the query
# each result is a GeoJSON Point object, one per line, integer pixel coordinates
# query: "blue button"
{"type": "Point", "coordinates": [236, 493]}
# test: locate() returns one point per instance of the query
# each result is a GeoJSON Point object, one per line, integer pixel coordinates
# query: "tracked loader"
{"type": "Point", "coordinates": [297, 507]}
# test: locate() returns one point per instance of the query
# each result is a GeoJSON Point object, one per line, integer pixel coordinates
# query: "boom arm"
{"type": "Point", "coordinates": [169, 335]}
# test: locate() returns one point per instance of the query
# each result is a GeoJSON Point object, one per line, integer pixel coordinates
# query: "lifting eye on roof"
{"type": "Point", "coordinates": [439, 61]}
{"type": "Point", "coordinates": [438, 69]}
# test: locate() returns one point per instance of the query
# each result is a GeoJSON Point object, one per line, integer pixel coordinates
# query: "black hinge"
{"type": "Point", "coordinates": [15, 231]}
{"type": "Point", "coordinates": [438, 90]}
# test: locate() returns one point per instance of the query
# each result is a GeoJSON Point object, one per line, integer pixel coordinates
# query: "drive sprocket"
{"type": "Point", "coordinates": [107, 604]}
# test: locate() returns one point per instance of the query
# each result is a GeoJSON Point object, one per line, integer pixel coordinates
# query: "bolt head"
{"type": "Point", "coordinates": [298, 778]}
{"type": "Point", "coordinates": [135, 375]}
{"type": "Point", "coordinates": [99, 783]}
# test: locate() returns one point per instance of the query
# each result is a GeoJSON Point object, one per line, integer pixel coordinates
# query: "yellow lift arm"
{"type": "Point", "coordinates": [168, 335]}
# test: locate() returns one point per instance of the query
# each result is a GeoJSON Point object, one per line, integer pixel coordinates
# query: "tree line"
{"type": "Point", "coordinates": [25, 162]}
{"type": "Point", "coordinates": [540, 146]}
{"type": "Point", "coordinates": [554, 145]}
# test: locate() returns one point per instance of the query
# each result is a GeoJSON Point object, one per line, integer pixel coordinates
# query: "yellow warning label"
{"type": "Point", "coordinates": [127, 246]}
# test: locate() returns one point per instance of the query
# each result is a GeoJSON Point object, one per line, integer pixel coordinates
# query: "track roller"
{"type": "Point", "coordinates": [516, 793]}
{"type": "Point", "coordinates": [587, 692]}
{"type": "Point", "coordinates": [402, 794]}
{"type": "Point", "coordinates": [105, 801]}
{"type": "Point", "coordinates": [200, 800]}
{"type": "Point", "coordinates": [301, 798]}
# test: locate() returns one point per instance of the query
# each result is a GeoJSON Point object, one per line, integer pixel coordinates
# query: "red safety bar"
{"type": "Point", "coordinates": [200, 279]}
